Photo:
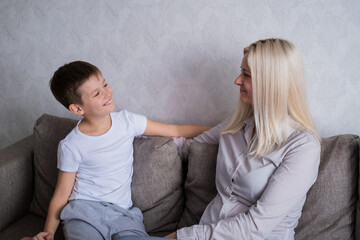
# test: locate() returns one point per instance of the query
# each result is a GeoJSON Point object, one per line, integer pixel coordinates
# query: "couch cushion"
{"type": "Point", "coordinates": [200, 186]}
{"type": "Point", "coordinates": [156, 182]}
{"type": "Point", "coordinates": [329, 210]}
{"type": "Point", "coordinates": [48, 131]}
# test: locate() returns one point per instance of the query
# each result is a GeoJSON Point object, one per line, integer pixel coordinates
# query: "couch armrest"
{"type": "Point", "coordinates": [16, 180]}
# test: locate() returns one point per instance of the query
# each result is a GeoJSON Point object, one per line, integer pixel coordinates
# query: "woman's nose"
{"type": "Point", "coordinates": [238, 80]}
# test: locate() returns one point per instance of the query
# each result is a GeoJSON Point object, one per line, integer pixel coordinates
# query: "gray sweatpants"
{"type": "Point", "coordinates": [83, 219]}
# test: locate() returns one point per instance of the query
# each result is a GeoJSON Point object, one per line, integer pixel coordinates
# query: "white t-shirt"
{"type": "Point", "coordinates": [104, 164]}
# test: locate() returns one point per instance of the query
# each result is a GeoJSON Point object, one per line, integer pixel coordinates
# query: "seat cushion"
{"type": "Point", "coordinates": [157, 180]}
{"type": "Point", "coordinates": [28, 226]}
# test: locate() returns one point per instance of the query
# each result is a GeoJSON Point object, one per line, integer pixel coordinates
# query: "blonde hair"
{"type": "Point", "coordinates": [279, 97]}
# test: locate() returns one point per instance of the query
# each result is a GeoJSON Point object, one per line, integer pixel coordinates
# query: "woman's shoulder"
{"type": "Point", "coordinates": [300, 136]}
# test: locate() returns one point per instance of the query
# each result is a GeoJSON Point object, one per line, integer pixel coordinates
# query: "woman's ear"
{"type": "Point", "coordinates": [74, 108]}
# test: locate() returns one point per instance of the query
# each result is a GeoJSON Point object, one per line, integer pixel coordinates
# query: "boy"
{"type": "Point", "coordinates": [93, 196]}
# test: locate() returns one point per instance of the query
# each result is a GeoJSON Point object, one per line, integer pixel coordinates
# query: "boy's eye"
{"type": "Point", "coordinates": [105, 85]}
{"type": "Point", "coordinates": [96, 94]}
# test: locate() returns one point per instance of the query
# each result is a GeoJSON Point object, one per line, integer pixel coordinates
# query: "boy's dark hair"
{"type": "Point", "coordinates": [67, 79]}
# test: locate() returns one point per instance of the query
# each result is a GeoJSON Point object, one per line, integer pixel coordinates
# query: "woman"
{"type": "Point", "coordinates": [269, 151]}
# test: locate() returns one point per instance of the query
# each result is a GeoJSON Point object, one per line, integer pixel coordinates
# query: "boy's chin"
{"type": "Point", "coordinates": [112, 107]}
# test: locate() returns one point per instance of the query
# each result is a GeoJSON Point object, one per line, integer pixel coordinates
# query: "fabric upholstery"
{"type": "Point", "coordinates": [357, 227]}
{"type": "Point", "coordinates": [329, 210]}
{"type": "Point", "coordinates": [27, 226]}
{"type": "Point", "coordinates": [157, 183]}
{"type": "Point", "coordinates": [157, 179]}
{"type": "Point", "coordinates": [48, 131]}
{"type": "Point", "coordinates": [200, 186]}
{"type": "Point", "coordinates": [15, 181]}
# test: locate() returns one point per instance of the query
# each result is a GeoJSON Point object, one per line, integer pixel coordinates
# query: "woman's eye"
{"type": "Point", "coordinates": [246, 75]}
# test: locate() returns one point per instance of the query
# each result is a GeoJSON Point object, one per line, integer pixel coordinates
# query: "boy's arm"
{"type": "Point", "coordinates": [172, 130]}
{"type": "Point", "coordinates": [64, 186]}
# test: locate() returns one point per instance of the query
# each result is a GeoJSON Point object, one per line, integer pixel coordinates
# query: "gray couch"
{"type": "Point", "coordinates": [171, 193]}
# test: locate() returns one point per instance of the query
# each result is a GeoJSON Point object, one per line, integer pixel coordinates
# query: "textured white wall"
{"type": "Point", "coordinates": [173, 60]}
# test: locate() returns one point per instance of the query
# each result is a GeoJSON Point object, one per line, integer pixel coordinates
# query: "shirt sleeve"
{"type": "Point", "coordinates": [286, 189]}
{"type": "Point", "coordinates": [211, 136]}
{"type": "Point", "coordinates": [67, 160]}
{"type": "Point", "coordinates": [138, 122]}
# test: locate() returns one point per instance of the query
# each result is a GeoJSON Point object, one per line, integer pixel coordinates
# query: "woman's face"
{"type": "Point", "coordinates": [244, 81]}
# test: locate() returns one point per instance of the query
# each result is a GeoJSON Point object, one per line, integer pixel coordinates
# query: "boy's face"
{"type": "Point", "coordinates": [96, 96]}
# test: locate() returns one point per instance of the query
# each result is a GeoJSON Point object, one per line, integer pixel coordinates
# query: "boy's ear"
{"type": "Point", "coordinates": [74, 108]}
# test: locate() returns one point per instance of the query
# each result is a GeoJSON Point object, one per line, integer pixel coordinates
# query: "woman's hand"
{"type": "Point", "coordinates": [171, 235]}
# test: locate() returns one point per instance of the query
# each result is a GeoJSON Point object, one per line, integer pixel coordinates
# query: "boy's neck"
{"type": "Point", "coordinates": [95, 126]}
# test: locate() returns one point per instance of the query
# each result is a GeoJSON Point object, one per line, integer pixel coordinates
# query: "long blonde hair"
{"type": "Point", "coordinates": [279, 96]}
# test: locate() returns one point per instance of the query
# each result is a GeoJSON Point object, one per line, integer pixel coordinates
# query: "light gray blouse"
{"type": "Point", "coordinates": [258, 198]}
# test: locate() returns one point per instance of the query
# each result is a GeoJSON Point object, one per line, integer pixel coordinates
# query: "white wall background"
{"type": "Point", "coordinates": [172, 60]}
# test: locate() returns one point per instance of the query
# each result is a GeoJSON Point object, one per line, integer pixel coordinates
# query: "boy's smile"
{"type": "Point", "coordinates": [108, 102]}
{"type": "Point", "coordinates": [96, 96]}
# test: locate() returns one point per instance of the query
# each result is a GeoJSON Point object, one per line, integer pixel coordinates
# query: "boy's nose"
{"type": "Point", "coordinates": [108, 94]}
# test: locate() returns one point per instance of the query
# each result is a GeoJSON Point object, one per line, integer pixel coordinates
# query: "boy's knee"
{"type": "Point", "coordinates": [79, 230]}
{"type": "Point", "coordinates": [137, 237]}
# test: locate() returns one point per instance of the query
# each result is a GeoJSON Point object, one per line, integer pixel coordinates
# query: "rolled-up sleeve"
{"type": "Point", "coordinates": [286, 189]}
{"type": "Point", "coordinates": [211, 136]}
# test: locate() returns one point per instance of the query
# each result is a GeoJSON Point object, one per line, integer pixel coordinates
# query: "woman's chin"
{"type": "Point", "coordinates": [245, 99]}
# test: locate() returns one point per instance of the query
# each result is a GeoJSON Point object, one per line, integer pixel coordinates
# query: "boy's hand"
{"type": "Point", "coordinates": [41, 236]}
{"type": "Point", "coordinates": [44, 236]}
